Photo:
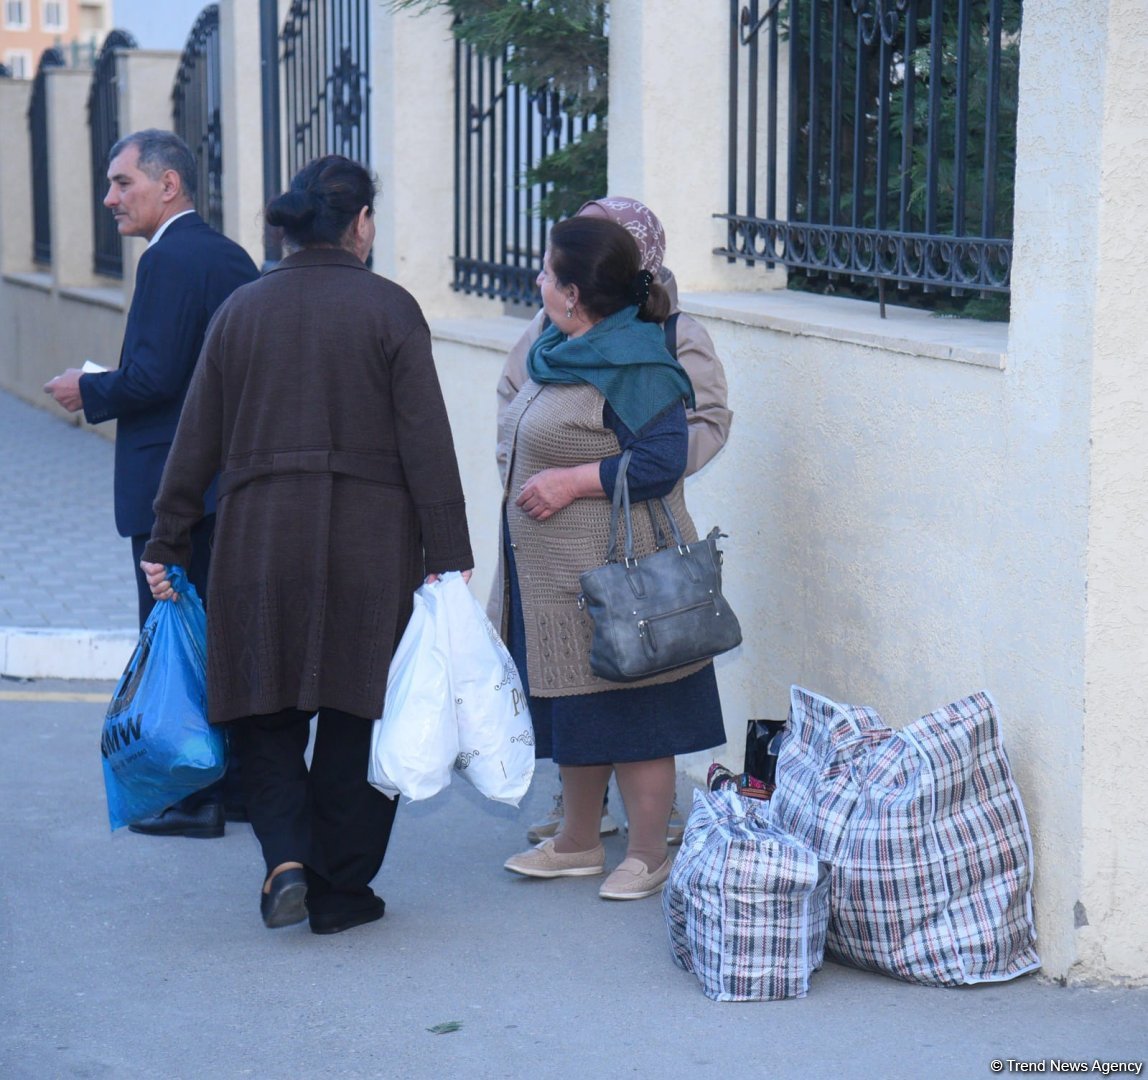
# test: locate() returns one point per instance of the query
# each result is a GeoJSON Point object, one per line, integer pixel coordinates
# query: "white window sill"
{"type": "Point", "coordinates": [904, 330]}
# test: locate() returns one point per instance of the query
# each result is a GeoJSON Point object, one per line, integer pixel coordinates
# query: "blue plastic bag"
{"type": "Point", "coordinates": [157, 746]}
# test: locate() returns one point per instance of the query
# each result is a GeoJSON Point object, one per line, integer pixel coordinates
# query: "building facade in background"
{"type": "Point", "coordinates": [28, 27]}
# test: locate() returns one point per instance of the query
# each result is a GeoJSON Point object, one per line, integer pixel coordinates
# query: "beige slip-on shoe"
{"type": "Point", "coordinates": [632, 881]}
{"type": "Point", "coordinates": [544, 862]}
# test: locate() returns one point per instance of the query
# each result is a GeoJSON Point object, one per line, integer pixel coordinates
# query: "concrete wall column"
{"type": "Point", "coordinates": [145, 79]}
{"type": "Point", "coordinates": [1046, 391]}
{"type": "Point", "coordinates": [15, 177]}
{"type": "Point", "coordinates": [668, 133]}
{"type": "Point", "coordinates": [412, 116]}
{"type": "Point", "coordinates": [1112, 919]}
{"type": "Point", "coordinates": [241, 120]}
{"type": "Point", "coordinates": [70, 172]}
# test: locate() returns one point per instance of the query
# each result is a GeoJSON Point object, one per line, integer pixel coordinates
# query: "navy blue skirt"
{"type": "Point", "coordinates": [628, 724]}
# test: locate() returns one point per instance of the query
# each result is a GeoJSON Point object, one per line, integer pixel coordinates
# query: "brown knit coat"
{"type": "Point", "coordinates": [317, 399]}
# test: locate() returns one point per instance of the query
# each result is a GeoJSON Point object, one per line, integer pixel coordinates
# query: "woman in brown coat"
{"type": "Point", "coordinates": [316, 400]}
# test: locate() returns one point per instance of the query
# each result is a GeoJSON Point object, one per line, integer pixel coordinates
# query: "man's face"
{"type": "Point", "coordinates": [136, 200]}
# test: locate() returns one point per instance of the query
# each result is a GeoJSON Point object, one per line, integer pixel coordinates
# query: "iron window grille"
{"type": "Point", "coordinates": [897, 119]}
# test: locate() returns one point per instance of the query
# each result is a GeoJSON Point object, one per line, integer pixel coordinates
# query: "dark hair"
{"type": "Point", "coordinates": [325, 196]}
{"type": "Point", "coordinates": [602, 259]}
{"type": "Point", "coordinates": [158, 152]}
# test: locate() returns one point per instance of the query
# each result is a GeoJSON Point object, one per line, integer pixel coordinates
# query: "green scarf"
{"type": "Point", "coordinates": [622, 357]}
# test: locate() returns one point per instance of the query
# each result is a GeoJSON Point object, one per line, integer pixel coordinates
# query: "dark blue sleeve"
{"type": "Point", "coordinates": [659, 452]}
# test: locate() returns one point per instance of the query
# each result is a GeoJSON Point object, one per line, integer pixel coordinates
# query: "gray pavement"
{"type": "Point", "coordinates": [127, 957]}
{"type": "Point", "coordinates": [62, 565]}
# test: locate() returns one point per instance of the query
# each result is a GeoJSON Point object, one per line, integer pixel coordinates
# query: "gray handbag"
{"type": "Point", "coordinates": [660, 611]}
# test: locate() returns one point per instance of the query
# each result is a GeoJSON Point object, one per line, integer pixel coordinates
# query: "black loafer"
{"type": "Point", "coordinates": [335, 922]}
{"type": "Point", "coordinates": [205, 822]}
{"type": "Point", "coordinates": [286, 902]}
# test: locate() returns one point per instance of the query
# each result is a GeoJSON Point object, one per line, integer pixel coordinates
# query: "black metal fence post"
{"type": "Point", "coordinates": [38, 142]}
{"type": "Point", "coordinates": [502, 130]}
{"type": "Point", "coordinates": [196, 108]}
{"type": "Point", "coordinates": [104, 133]}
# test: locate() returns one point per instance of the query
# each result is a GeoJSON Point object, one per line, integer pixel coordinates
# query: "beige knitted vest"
{"type": "Point", "coordinates": [558, 426]}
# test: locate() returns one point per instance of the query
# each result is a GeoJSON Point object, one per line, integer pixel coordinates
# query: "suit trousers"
{"type": "Point", "coordinates": [328, 817]}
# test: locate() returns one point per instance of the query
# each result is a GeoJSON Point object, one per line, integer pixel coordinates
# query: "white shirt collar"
{"type": "Point", "coordinates": [163, 228]}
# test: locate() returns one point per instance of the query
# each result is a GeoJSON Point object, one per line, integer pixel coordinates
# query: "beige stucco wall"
{"type": "Point", "coordinates": [1114, 934]}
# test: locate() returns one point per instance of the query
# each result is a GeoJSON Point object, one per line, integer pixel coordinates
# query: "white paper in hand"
{"type": "Point", "coordinates": [415, 742]}
{"type": "Point", "coordinates": [495, 735]}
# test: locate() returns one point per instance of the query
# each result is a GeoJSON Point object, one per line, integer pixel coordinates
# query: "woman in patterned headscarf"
{"type": "Point", "coordinates": [708, 421]}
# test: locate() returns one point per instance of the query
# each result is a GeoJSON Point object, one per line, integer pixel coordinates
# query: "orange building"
{"type": "Point", "coordinates": [28, 27]}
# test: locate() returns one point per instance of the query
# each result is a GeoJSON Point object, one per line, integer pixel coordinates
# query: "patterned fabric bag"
{"type": "Point", "coordinates": [931, 853]}
{"type": "Point", "coordinates": [746, 906]}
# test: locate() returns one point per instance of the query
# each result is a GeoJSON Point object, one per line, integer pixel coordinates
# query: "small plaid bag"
{"type": "Point", "coordinates": [746, 906]}
{"type": "Point", "coordinates": [931, 853]}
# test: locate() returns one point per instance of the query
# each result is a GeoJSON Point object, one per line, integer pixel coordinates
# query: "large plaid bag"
{"type": "Point", "coordinates": [931, 853]}
{"type": "Point", "coordinates": [746, 906]}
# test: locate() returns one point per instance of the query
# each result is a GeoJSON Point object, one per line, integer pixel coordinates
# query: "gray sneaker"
{"type": "Point", "coordinates": [548, 827]}
{"type": "Point", "coordinates": [676, 827]}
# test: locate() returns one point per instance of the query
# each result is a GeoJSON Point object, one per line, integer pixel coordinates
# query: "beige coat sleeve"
{"type": "Point", "coordinates": [510, 382]}
{"type": "Point", "coordinates": [709, 422]}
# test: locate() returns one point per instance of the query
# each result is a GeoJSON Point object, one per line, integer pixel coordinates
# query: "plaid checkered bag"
{"type": "Point", "coordinates": [746, 906]}
{"type": "Point", "coordinates": [932, 870]}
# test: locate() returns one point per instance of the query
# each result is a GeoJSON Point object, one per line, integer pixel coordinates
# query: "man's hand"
{"type": "Point", "coordinates": [66, 389]}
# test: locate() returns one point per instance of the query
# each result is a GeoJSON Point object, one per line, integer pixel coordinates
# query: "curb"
{"type": "Point", "coordinates": [64, 654]}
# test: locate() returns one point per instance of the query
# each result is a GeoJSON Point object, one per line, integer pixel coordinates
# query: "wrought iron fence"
{"type": "Point", "coordinates": [103, 133]}
{"type": "Point", "coordinates": [196, 105]}
{"type": "Point", "coordinates": [38, 143]}
{"type": "Point", "coordinates": [502, 130]}
{"type": "Point", "coordinates": [318, 88]}
{"type": "Point", "coordinates": [898, 120]}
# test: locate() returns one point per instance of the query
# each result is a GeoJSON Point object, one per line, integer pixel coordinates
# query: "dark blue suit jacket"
{"type": "Point", "coordinates": [180, 282]}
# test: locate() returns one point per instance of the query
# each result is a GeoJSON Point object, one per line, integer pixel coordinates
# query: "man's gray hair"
{"type": "Point", "coordinates": [160, 151]}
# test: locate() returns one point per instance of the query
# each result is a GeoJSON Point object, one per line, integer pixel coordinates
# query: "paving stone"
{"type": "Point", "coordinates": [62, 564]}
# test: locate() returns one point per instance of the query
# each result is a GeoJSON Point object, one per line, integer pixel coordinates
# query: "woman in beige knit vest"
{"type": "Point", "coordinates": [600, 381]}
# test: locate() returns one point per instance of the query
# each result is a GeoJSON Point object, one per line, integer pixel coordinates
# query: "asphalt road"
{"type": "Point", "coordinates": [124, 956]}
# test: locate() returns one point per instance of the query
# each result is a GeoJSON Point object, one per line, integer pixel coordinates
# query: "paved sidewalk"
{"type": "Point", "coordinates": [67, 596]}
{"type": "Point", "coordinates": [134, 958]}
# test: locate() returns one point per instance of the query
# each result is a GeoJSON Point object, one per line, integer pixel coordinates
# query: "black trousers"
{"type": "Point", "coordinates": [327, 817]}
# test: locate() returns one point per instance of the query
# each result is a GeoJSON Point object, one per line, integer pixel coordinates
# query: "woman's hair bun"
{"type": "Point", "coordinates": [293, 210]}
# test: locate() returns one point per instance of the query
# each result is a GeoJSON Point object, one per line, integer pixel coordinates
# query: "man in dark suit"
{"type": "Point", "coordinates": [187, 271]}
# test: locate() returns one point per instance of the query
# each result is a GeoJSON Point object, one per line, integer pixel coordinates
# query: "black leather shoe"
{"type": "Point", "coordinates": [235, 812]}
{"type": "Point", "coordinates": [205, 822]}
{"type": "Point", "coordinates": [335, 922]}
{"type": "Point", "coordinates": [285, 903]}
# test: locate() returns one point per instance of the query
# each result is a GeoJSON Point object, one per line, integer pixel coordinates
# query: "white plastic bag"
{"type": "Point", "coordinates": [495, 735]}
{"type": "Point", "coordinates": [414, 743]}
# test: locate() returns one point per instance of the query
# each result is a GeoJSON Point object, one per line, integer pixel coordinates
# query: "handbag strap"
{"type": "Point", "coordinates": [620, 507]}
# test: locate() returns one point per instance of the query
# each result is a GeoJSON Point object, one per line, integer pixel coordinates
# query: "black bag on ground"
{"type": "Point", "coordinates": [658, 612]}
